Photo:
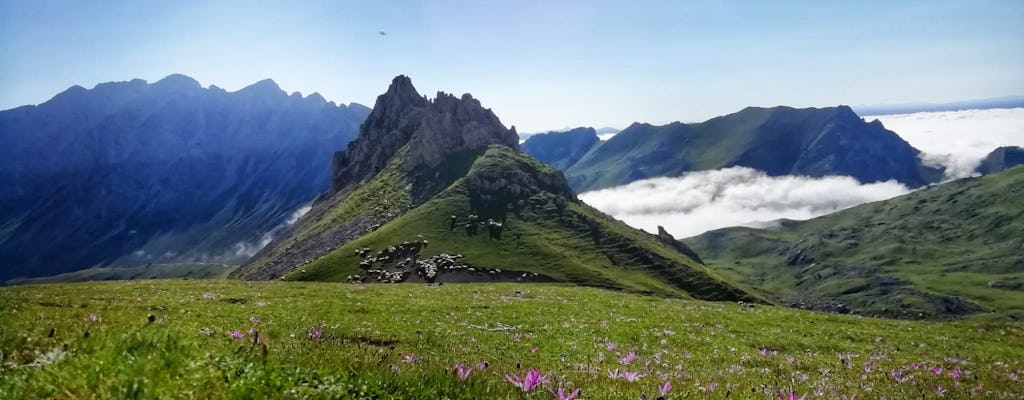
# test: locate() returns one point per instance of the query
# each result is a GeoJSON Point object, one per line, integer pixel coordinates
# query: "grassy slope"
{"type": "Point", "coordinates": [947, 240]}
{"type": "Point", "coordinates": [157, 271]}
{"type": "Point", "coordinates": [550, 243]}
{"type": "Point", "coordinates": [368, 328]}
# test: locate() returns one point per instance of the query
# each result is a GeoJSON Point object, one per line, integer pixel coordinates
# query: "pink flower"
{"type": "Point", "coordinates": [791, 396]}
{"type": "Point", "coordinates": [767, 352]}
{"type": "Point", "coordinates": [315, 333]}
{"type": "Point", "coordinates": [939, 390]}
{"type": "Point", "coordinates": [533, 349]}
{"type": "Point", "coordinates": [611, 346]}
{"type": "Point", "coordinates": [409, 358]}
{"type": "Point", "coordinates": [94, 318]}
{"type": "Point", "coordinates": [956, 373]}
{"type": "Point", "coordinates": [936, 370]}
{"type": "Point", "coordinates": [532, 379]}
{"type": "Point", "coordinates": [482, 365]}
{"type": "Point", "coordinates": [560, 394]}
{"type": "Point", "coordinates": [237, 335]}
{"type": "Point", "coordinates": [628, 358]}
{"type": "Point", "coordinates": [630, 376]}
{"type": "Point", "coordinates": [461, 371]}
{"type": "Point", "coordinates": [664, 388]}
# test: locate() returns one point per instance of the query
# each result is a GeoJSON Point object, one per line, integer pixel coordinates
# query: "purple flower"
{"type": "Point", "coordinates": [630, 376]}
{"type": "Point", "coordinates": [94, 318]}
{"type": "Point", "coordinates": [956, 373]}
{"type": "Point", "coordinates": [254, 320]}
{"type": "Point", "coordinates": [628, 359]}
{"type": "Point", "coordinates": [710, 389]}
{"type": "Point", "coordinates": [533, 349]}
{"type": "Point", "coordinates": [237, 335]}
{"type": "Point", "coordinates": [532, 379]}
{"type": "Point", "coordinates": [315, 333]}
{"type": "Point", "coordinates": [939, 390]}
{"type": "Point", "coordinates": [560, 394]}
{"type": "Point", "coordinates": [664, 388]}
{"type": "Point", "coordinates": [791, 396]}
{"type": "Point", "coordinates": [409, 358]}
{"type": "Point", "coordinates": [936, 370]}
{"type": "Point", "coordinates": [461, 371]}
{"type": "Point", "coordinates": [482, 365]}
{"type": "Point", "coordinates": [767, 352]}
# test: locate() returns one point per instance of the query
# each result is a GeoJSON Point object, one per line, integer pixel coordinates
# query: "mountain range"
{"type": "Point", "coordinates": [439, 190]}
{"type": "Point", "coordinates": [779, 141]}
{"type": "Point", "coordinates": [136, 173]}
{"type": "Point", "coordinates": [953, 249]}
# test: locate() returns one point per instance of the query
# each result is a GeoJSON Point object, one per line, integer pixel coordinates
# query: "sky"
{"type": "Point", "coordinates": [539, 64]}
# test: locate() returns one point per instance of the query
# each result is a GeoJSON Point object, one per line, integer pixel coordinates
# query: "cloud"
{"type": "Point", "coordinates": [958, 140]}
{"type": "Point", "coordinates": [700, 201]}
{"type": "Point", "coordinates": [298, 214]}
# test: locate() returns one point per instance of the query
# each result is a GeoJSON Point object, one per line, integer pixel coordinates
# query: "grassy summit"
{"type": "Point", "coordinates": [239, 340]}
{"type": "Point", "coordinates": [950, 249]}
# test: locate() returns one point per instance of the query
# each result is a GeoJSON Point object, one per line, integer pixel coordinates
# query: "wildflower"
{"type": "Point", "coordinates": [409, 358]}
{"type": "Point", "coordinates": [461, 371]}
{"type": "Point", "coordinates": [710, 388]}
{"type": "Point", "coordinates": [315, 333]}
{"type": "Point", "coordinates": [532, 379]}
{"type": "Point", "coordinates": [614, 374]}
{"type": "Point", "coordinates": [628, 358]}
{"type": "Point", "coordinates": [208, 296]}
{"type": "Point", "coordinates": [254, 320]}
{"type": "Point", "coordinates": [939, 390]}
{"type": "Point", "coordinates": [206, 332]}
{"type": "Point", "coordinates": [664, 388]}
{"type": "Point", "coordinates": [630, 376]}
{"type": "Point", "coordinates": [600, 358]}
{"type": "Point", "coordinates": [237, 335]}
{"type": "Point", "coordinates": [560, 394]}
{"type": "Point", "coordinates": [956, 373]}
{"type": "Point", "coordinates": [482, 365]}
{"type": "Point", "coordinates": [611, 346]}
{"type": "Point", "coordinates": [936, 370]}
{"type": "Point", "coordinates": [791, 396]}
{"type": "Point", "coordinates": [533, 349]}
{"type": "Point", "coordinates": [764, 351]}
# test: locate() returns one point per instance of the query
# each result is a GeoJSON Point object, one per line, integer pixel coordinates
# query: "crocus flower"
{"type": "Point", "coordinates": [936, 370]}
{"type": "Point", "coordinates": [94, 318]}
{"type": "Point", "coordinates": [956, 373]}
{"type": "Point", "coordinates": [630, 376]}
{"type": "Point", "coordinates": [939, 390]}
{"type": "Point", "coordinates": [254, 320]}
{"type": "Point", "coordinates": [409, 358]}
{"type": "Point", "coordinates": [237, 335]}
{"type": "Point", "coordinates": [461, 371]}
{"type": "Point", "coordinates": [628, 358]}
{"type": "Point", "coordinates": [482, 365]}
{"type": "Point", "coordinates": [664, 388]}
{"type": "Point", "coordinates": [560, 394]}
{"type": "Point", "coordinates": [532, 379]}
{"type": "Point", "coordinates": [710, 389]}
{"type": "Point", "coordinates": [315, 333]}
{"type": "Point", "coordinates": [614, 374]}
{"type": "Point", "coordinates": [791, 396]}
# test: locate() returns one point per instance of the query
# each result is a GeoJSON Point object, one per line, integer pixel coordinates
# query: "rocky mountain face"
{"type": "Point", "coordinates": [438, 190]}
{"type": "Point", "coordinates": [1001, 159]}
{"type": "Point", "coordinates": [132, 173]}
{"type": "Point", "coordinates": [778, 141]}
{"type": "Point", "coordinates": [561, 149]}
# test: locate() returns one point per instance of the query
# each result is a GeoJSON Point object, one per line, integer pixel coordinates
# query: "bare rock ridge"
{"type": "Point", "coordinates": [432, 130]}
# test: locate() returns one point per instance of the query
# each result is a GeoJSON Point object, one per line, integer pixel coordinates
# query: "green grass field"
{"type": "Point", "coordinates": [232, 339]}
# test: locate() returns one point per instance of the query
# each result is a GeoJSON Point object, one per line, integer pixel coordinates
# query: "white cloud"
{"type": "Point", "coordinates": [958, 140]}
{"type": "Point", "coordinates": [298, 214]}
{"type": "Point", "coordinates": [700, 201]}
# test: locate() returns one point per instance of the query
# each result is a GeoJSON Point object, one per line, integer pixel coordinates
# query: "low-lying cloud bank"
{"type": "Point", "coordinates": [958, 140]}
{"type": "Point", "coordinates": [701, 201]}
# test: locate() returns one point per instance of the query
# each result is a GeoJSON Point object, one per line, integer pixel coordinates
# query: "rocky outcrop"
{"type": "Point", "coordinates": [667, 239]}
{"type": "Point", "coordinates": [1001, 159]}
{"type": "Point", "coordinates": [132, 173]}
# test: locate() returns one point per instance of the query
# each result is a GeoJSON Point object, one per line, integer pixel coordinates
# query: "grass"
{"type": "Point", "coordinates": [947, 250]}
{"type": "Point", "coordinates": [574, 336]}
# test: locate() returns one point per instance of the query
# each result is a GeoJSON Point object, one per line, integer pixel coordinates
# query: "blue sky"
{"type": "Point", "coordinates": [539, 64]}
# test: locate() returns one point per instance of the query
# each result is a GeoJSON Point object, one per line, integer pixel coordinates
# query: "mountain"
{"type": "Point", "coordinates": [439, 190]}
{"type": "Point", "coordinates": [1001, 159]}
{"type": "Point", "coordinates": [947, 250]}
{"type": "Point", "coordinates": [561, 149]}
{"type": "Point", "coordinates": [779, 141]}
{"type": "Point", "coordinates": [133, 173]}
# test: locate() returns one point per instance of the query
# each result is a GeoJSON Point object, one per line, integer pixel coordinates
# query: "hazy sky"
{"type": "Point", "coordinates": [540, 65]}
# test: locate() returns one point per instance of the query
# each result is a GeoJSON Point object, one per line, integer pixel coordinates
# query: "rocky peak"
{"type": "Point", "coordinates": [177, 82]}
{"type": "Point", "coordinates": [430, 130]}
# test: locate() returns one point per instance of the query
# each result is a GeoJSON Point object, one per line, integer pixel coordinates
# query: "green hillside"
{"type": "Point", "coordinates": [948, 250]}
{"type": "Point", "coordinates": [155, 271]}
{"type": "Point", "coordinates": [221, 339]}
{"type": "Point", "coordinates": [545, 231]}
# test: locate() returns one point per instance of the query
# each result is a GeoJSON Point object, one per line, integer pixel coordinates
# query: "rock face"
{"type": "Point", "coordinates": [1001, 159]}
{"type": "Point", "coordinates": [561, 149]}
{"type": "Point", "coordinates": [778, 141]}
{"type": "Point", "coordinates": [132, 173]}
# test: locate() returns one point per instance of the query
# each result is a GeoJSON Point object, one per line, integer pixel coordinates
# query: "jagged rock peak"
{"type": "Point", "coordinates": [266, 85]}
{"type": "Point", "coordinates": [429, 129]}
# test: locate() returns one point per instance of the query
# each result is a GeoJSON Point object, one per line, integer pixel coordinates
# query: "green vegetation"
{"type": "Point", "coordinates": [545, 231]}
{"type": "Point", "coordinates": [947, 250]}
{"type": "Point", "coordinates": [174, 339]}
{"type": "Point", "coordinates": [155, 271]}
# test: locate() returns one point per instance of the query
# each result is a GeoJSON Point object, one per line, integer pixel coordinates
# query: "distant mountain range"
{"type": "Point", "coordinates": [133, 173]}
{"type": "Point", "coordinates": [910, 108]}
{"type": "Point", "coordinates": [438, 190]}
{"type": "Point", "coordinates": [947, 250]}
{"type": "Point", "coordinates": [778, 141]}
